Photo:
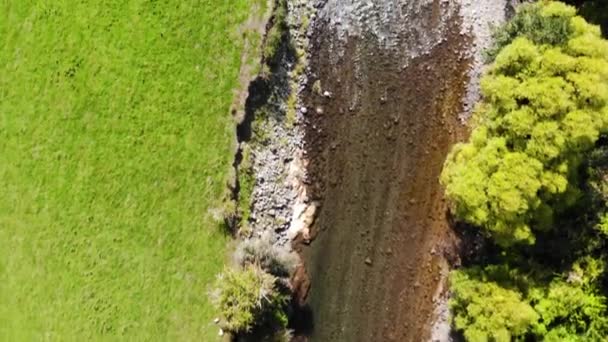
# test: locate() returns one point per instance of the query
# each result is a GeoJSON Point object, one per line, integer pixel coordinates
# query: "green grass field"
{"type": "Point", "coordinates": [115, 142]}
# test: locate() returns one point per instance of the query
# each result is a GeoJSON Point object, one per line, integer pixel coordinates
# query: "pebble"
{"type": "Point", "coordinates": [274, 193]}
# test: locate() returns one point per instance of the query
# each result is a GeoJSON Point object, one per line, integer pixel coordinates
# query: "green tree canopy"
{"type": "Point", "coordinates": [536, 168]}
{"type": "Point", "coordinates": [544, 107]}
{"type": "Point", "coordinates": [502, 303]}
{"type": "Point", "coordinates": [487, 311]}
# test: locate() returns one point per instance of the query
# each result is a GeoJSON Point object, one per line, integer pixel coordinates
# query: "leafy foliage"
{"type": "Point", "coordinates": [249, 297]}
{"type": "Point", "coordinates": [488, 312]}
{"type": "Point", "coordinates": [253, 296]}
{"type": "Point", "coordinates": [595, 11]}
{"type": "Point", "coordinates": [566, 309]}
{"type": "Point", "coordinates": [534, 177]}
{"type": "Point", "coordinates": [500, 303]}
{"type": "Point", "coordinates": [544, 107]}
{"type": "Point", "coordinates": [540, 23]}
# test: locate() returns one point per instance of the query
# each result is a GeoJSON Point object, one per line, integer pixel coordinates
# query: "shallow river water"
{"type": "Point", "coordinates": [398, 75]}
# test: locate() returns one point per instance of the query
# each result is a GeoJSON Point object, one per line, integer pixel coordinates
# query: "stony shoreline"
{"type": "Point", "coordinates": [279, 199]}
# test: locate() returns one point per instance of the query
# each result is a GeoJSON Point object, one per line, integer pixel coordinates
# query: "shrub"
{"type": "Point", "coordinates": [249, 298]}
{"type": "Point", "coordinates": [544, 108]}
{"type": "Point", "coordinates": [261, 251]}
{"type": "Point", "coordinates": [253, 296]}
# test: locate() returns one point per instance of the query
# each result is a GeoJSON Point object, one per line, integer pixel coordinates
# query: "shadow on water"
{"type": "Point", "coordinates": [302, 322]}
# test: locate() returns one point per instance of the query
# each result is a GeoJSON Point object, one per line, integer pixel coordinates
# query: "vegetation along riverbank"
{"type": "Point", "coordinates": [531, 181]}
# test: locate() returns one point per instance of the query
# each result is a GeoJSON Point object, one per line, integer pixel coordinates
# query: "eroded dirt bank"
{"type": "Point", "coordinates": [382, 111]}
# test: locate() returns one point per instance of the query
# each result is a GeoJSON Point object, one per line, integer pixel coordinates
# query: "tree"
{"type": "Point", "coordinates": [544, 106]}
{"type": "Point", "coordinates": [536, 168]}
{"type": "Point", "coordinates": [486, 311]}
{"type": "Point", "coordinates": [504, 303]}
{"type": "Point", "coordinates": [595, 11]}
{"type": "Point", "coordinates": [570, 312]}
{"type": "Point", "coordinates": [542, 24]}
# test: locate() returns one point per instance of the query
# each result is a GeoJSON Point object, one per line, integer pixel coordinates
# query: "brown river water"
{"type": "Point", "coordinates": [396, 73]}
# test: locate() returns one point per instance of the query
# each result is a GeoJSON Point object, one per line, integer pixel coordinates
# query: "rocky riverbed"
{"type": "Point", "coordinates": [272, 137]}
{"type": "Point", "coordinates": [403, 76]}
{"type": "Point", "coordinates": [345, 149]}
